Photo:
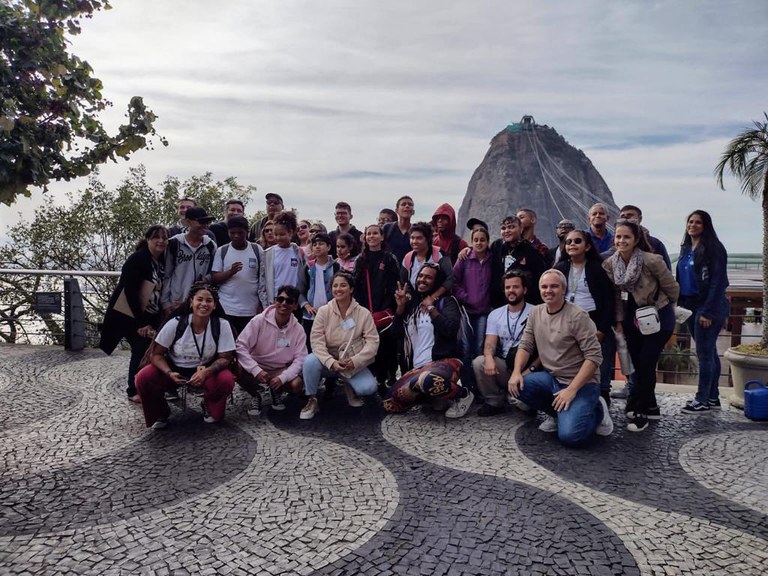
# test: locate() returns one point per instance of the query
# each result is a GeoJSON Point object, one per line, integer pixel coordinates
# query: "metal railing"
{"type": "Point", "coordinates": [53, 309]}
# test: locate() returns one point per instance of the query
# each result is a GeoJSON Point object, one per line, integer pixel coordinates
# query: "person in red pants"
{"type": "Point", "coordinates": [193, 348]}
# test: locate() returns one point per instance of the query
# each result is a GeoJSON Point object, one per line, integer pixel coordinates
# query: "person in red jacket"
{"type": "Point", "coordinates": [445, 237]}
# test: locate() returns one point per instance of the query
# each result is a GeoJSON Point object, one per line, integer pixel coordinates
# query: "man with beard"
{"type": "Point", "coordinates": [568, 386]}
{"type": "Point", "coordinates": [429, 336]}
{"type": "Point", "coordinates": [232, 208]}
{"type": "Point", "coordinates": [502, 337]}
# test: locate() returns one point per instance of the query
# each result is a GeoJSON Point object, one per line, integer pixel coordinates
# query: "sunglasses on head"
{"type": "Point", "coordinates": [574, 240]}
{"type": "Point", "coordinates": [285, 300]}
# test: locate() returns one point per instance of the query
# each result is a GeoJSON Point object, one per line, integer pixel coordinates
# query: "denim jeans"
{"type": "Point", "coordinates": [363, 382]}
{"type": "Point", "coordinates": [706, 350]}
{"type": "Point", "coordinates": [473, 347]}
{"type": "Point", "coordinates": [575, 425]}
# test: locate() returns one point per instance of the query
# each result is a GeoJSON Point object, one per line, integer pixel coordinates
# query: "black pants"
{"type": "Point", "coordinates": [645, 352]}
{"type": "Point", "coordinates": [139, 346]}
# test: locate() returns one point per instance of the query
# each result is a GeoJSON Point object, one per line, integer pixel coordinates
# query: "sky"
{"type": "Point", "coordinates": [366, 101]}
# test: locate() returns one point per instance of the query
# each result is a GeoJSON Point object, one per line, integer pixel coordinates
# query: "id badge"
{"type": "Point", "coordinates": [200, 368]}
{"type": "Point", "coordinates": [348, 324]}
{"type": "Point", "coordinates": [283, 342]}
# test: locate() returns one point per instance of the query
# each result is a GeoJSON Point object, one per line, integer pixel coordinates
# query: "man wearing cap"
{"type": "Point", "coordinates": [188, 258]}
{"type": "Point", "coordinates": [563, 228]}
{"type": "Point", "coordinates": [274, 207]}
{"type": "Point", "coordinates": [238, 269]}
{"type": "Point", "coordinates": [233, 207]}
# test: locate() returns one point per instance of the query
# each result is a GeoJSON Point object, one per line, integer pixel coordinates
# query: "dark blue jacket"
{"type": "Point", "coordinates": [711, 268]}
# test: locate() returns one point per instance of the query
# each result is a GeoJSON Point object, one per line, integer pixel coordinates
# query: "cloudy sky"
{"type": "Point", "coordinates": [365, 101]}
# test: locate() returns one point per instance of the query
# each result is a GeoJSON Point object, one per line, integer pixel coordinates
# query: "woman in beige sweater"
{"type": "Point", "coordinates": [344, 342]}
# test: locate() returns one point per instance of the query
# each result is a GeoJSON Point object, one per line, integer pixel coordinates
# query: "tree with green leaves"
{"type": "Point", "coordinates": [50, 102]}
{"type": "Point", "coordinates": [97, 229]}
{"type": "Point", "coordinates": [746, 158]}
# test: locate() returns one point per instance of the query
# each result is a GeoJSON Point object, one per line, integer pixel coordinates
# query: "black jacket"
{"type": "Point", "coordinates": [446, 326]}
{"type": "Point", "coordinates": [601, 290]}
{"type": "Point", "coordinates": [525, 257]}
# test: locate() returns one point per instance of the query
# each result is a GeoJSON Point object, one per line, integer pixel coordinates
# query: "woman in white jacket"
{"type": "Point", "coordinates": [344, 342]}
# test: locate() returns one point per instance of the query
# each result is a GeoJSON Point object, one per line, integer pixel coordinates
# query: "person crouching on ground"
{"type": "Point", "coordinates": [194, 349]}
{"type": "Point", "coordinates": [428, 330]}
{"type": "Point", "coordinates": [568, 387]}
{"type": "Point", "coordinates": [271, 350]}
{"type": "Point", "coordinates": [344, 341]}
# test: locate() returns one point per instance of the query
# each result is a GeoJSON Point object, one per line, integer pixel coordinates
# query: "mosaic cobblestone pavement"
{"type": "Point", "coordinates": [86, 489]}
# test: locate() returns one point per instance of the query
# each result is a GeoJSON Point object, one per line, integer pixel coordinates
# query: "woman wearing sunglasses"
{"type": "Point", "coordinates": [304, 237]}
{"type": "Point", "coordinates": [590, 288]}
{"type": "Point", "coordinates": [344, 342]}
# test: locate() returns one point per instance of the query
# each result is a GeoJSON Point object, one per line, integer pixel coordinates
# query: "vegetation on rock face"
{"type": "Point", "coordinates": [96, 230]}
{"type": "Point", "coordinates": [746, 158]}
{"type": "Point", "coordinates": [50, 102]}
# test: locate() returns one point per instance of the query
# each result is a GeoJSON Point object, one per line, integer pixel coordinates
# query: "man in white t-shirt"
{"type": "Point", "coordinates": [238, 269]}
{"type": "Point", "coordinates": [502, 336]}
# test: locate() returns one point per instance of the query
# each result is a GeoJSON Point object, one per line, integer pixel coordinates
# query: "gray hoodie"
{"type": "Point", "coordinates": [184, 266]}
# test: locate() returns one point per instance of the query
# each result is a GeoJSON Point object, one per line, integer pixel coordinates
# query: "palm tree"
{"type": "Point", "coordinates": [746, 158]}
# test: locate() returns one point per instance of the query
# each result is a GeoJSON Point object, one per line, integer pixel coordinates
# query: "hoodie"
{"type": "Point", "coordinates": [184, 266]}
{"type": "Point", "coordinates": [447, 240]}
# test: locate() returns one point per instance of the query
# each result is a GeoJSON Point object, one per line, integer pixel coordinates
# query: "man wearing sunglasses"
{"type": "Point", "coordinates": [271, 352]}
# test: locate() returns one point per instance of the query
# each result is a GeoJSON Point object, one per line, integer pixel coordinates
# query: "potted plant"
{"type": "Point", "coordinates": [746, 158]}
{"type": "Point", "coordinates": [677, 365]}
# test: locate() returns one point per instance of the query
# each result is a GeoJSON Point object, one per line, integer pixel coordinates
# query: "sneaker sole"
{"type": "Point", "coordinates": [695, 412]}
{"type": "Point", "coordinates": [634, 428]}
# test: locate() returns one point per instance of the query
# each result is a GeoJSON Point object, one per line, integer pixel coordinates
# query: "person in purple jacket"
{"type": "Point", "coordinates": [472, 288]}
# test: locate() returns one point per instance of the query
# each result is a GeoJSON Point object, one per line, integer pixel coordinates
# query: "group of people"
{"type": "Point", "coordinates": [412, 311]}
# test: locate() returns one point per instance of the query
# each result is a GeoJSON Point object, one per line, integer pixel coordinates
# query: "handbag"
{"type": "Point", "coordinates": [647, 319]}
{"type": "Point", "coordinates": [382, 319]}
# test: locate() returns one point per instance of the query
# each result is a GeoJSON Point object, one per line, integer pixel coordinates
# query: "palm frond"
{"type": "Point", "coordinates": [746, 158]}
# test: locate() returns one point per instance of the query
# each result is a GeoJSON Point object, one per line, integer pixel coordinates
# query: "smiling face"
{"type": "Point", "coordinates": [233, 209]}
{"type": "Point", "coordinates": [342, 216]}
{"type": "Point", "coordinates": [341, 290]}
{"type": "Point", "coordinates": [419, 243]}
{"type": "Point", "coordinates": [576, 246]}
{"type": "Point", "coordinates": [510, 232]}
{"type": "Point", "coordinates": [598, 217]}
{"type": "Point", "coordinates": [202, 304]}
{"type": "Point", "coordinates": [183, 205]}
{"type": "Point", "coordinates": [625, 241]}
{"type": "Point", "coordinates": [303, 231]}
{"type": "Point", "coordinates": [373, 238]}
{"type": "Point", "coordinates": [695, 226]}
{"type": "Point", "coordinates": [284, 306]}
{"type": "Point", "coordinates": [552, 291]}
{"type": "Point", "coordinates": [514, 291]}
{"type": "Point", "coordinates": [425, 281]}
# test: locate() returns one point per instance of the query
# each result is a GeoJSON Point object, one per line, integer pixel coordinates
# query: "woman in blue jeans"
{"type": "Point", "coordinates": [703, 278]}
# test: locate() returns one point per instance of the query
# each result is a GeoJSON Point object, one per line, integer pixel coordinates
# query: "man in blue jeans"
{"type": "Point", "coordinates": [568, 386]}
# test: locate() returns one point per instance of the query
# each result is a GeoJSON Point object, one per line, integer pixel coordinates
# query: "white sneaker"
{"type": "Point", "coordinates": [460, 406]}
{"type": "Point", "coordinates": [606, 424]}
{"type": "Point", "coordinates": [309, 411]}
{"type": "Point", "coordinates": [354, 400]}
{"type": "Point", "coordinates": [549, 424]}
{"type": "Point", "coordinates": [254, 407]}
{"type": "Point", "coordinates": [159, 424]}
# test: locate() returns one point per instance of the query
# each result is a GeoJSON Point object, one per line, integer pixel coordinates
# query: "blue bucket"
{"type": "Point", "coordinates": [756, 400]}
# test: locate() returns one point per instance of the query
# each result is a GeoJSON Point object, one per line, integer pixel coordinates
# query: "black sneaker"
{"type": "Point", "coordinates": [695, 407]}
{"type": "Point", "coordinates": [654, 413]}
{"type": "Point", "coordinates": [715, 404]}
{"type": "Point", "coordinates": [254, 407]}
{"type": "Point", "coordinates": [277, 400]}
{"type": "Point", "coordinates": [488, 410]}
{"type": "Point", "coordinates": [638, 423]}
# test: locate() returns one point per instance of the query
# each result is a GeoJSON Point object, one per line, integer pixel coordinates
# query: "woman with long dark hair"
{"type": "Point", "coordinates": [590, 288]}
{"type": "Point", "coordinates": [134, 310]}
{"type": "Point", "coordinates": [703, 278]}
{"type": "Point", "coordinates": [376, 275]}
{"type": "Point", "coordinates": [641, 279]}
{"type": "Point", "coordinates": [193, 348]}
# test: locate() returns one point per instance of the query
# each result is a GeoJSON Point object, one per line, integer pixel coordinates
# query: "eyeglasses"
{"type": "Point", "coordinates": [431, 266]}
{"type": "Point", "coordinates": [314, 231]}
{"type": "Point", "coordinates": [303, 226]}
{"type": "Point", "coordinates": [285, 300]}
{"type": "Point", "coordinates": [274, 203]}
{"type": "Point", "coordinates": [576, 241]}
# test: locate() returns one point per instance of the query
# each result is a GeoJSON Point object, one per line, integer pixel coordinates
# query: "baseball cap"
{"type": "Point", "coordinates": [472, 222]}
{"type": "Point", "coordinates": [199, 214]}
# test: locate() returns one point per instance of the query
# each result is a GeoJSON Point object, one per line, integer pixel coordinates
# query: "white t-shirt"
{"type": "Point", "coordinates": [239, 295]}
{"type": "Point", "coordinates": [186, 352]}
{"type": "Point", "coordinates": [508, 326]}
{"type": "Point", "coordinates": [320, 296]}
{"type": "Point", "coordinates": [416, 267]}
{"type": "Point", "coordinates": [578, 291]}
{"type": "Point", "coordinates": [422, 336]}
{"type": "Point", "coordinates": [285, 266]}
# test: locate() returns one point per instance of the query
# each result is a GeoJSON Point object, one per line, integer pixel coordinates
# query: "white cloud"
{"type": "Point", "coordinates": [307, 98]}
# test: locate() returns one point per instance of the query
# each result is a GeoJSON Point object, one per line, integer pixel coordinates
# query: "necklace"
{"type": "Point", "coordinates": [573, 280]}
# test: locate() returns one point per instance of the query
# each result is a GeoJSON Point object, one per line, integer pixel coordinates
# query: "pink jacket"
{"type": "Point", "coordinates": [261, 346]}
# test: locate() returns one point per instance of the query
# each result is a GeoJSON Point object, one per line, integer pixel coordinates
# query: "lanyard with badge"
{"type": "Point", "coordinates": [513, 331]}
{"type": "Point", "coordinates": [200, 349]}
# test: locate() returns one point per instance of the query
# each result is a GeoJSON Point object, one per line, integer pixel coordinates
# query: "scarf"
{"type": "Point", "coordinates": [625, 276]}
